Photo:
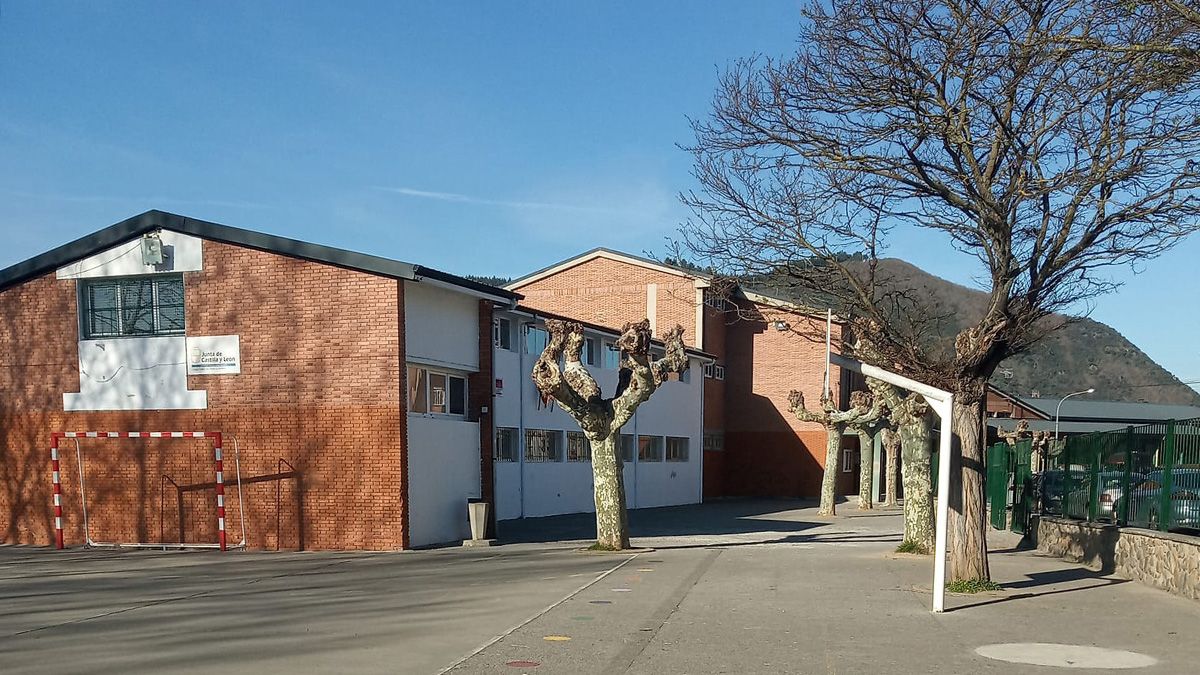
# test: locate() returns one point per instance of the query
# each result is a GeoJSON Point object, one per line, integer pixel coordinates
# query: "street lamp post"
{"type": "Point", "coordinates": [1059, 408]}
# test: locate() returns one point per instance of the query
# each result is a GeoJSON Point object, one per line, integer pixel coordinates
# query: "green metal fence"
{"type": "Point", "coordinates": [1145, 476]}
{"type": "Point", "coordinates": [1009, 482]}
{"type": "Point", "coordinates": [996, 484]}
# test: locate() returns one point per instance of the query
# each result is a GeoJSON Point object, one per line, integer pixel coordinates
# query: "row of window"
{"type": "Point", "coordinates": [546, 445]}
{"type": "Point", "coordinates": [597, 353]}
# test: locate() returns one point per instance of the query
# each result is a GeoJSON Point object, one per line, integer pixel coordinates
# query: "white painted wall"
{"type": "Point", "coordinates": [135, 373]}
{"type": "Point", "coordinates": [181, 253]}
{"type": "Point", "coordinates": [443, 472]}
{"type": "Point", "coordinates": [441, 327]}
{"type": "Point", "coordinates": [550, 488]}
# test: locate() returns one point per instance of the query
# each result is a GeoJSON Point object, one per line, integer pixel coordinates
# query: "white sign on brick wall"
{"type": "Point", "coordinates": [214, 355]}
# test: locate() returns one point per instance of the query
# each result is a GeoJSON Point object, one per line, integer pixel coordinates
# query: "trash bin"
{"type": "Point", "coordinates": [477, 513]}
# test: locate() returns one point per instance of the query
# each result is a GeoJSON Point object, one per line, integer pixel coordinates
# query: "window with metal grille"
{"type": "Point", "coordinates": [847, 460]}
{"type": "Point", "coordinates": [713, 371]}
{"type": "Point", "coordinates": [132, 306]}
{"type": "Point", "coordinates": [542, 445]}
{"type": "Point", "coordinates": [506, 444]}
{"type": "Point", "coordinates": [578, 448]}
{"type": "Point", "coordinates": [650, 448]}
{"type": "Point", "coordinates": [714, 441]}
{"type": "Point", "coordinates": [677, 449]}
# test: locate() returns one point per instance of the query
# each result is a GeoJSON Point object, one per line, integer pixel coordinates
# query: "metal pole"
{"type": "Point", "coordinates": [220, 490]}
{"type": "Point", "coordinates": [945, 411]}
{"type": "Point", "coordinates": [57, 476]}
{"type": "Point", "coordinates": [1059, 407]}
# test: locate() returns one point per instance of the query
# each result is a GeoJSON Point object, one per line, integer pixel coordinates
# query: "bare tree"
{"type": "Point", "coordinates": [1044, 164]}
{"type": "Point", "coordinates": [862, 407]}
{"type": "Point", "coordinates": [601, 419]}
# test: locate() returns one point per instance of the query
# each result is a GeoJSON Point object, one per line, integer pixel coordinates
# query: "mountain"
{"type": "Point", "coordinates": [1082, 354]}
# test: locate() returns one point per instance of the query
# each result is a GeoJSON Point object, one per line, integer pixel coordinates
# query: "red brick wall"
{"type": "Point", "coordinates": [769, 451]}
{"type": "Point", "coordinates": [321, 387]}
{"type": "Point", "coordinates": [611, 292]}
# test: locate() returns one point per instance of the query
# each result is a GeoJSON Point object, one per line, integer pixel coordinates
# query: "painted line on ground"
{"type": "Point", "coordinates": [533, 618]}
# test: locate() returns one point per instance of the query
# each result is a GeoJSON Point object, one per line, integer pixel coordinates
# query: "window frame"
{"type": "Point", "coordinates": [581, 455]}
{"type": "Point", "coordinates": [655, 442]}
{"type": "Point", "coordinates": [529, 332]}
{"type": "Point", "coordinates": [425, 392]}
{"type": "Point", "coordinates": [502, 333]}
{"type": "Point", "coordinates": [631, 447]}
{"type": "Point", "coordinates": [714, 441]}
{"type": "Point", "coordinates": [87, 309]}
{"type": "Point", "coordinates": [506, 452]}
{"type": "Point", "coordinates": [686, 442]}
{"type": "Point", "coordinates": [557, 445]}
{"type": "Point", "coordinates": [609, 349]}
{"type": "Point", "coordinates": [590, 355]}
{"type": "Point", "coordinates": [848, 460]}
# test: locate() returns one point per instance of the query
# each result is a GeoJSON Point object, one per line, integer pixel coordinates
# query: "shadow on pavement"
{"type": "Point", "coordinates": [832, 538]}
{"type": "Point", "coordinates": [1050, 579]}
{"type": "Point", "coordinates": [731, 517]}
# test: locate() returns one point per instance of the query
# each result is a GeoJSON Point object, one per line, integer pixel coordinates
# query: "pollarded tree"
{"type": "Point", "coordinates": [601, 419]}
{"type": "Point", "coordinates": [1041, 163]}
{"type": "Point", "coordinates": [863, 407]}
{"type": "Point", "coordinates": [891, 451]}
{"type": "Point", "coordinates": [866, 429]}
{"type": "Point", "coordinates": [910, 415]}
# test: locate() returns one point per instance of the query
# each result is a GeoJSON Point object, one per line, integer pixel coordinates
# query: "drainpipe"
{"type": "Point", "coordinates": [521, 377]}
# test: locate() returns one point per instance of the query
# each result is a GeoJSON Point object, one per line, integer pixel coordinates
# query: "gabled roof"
{"type": "Point", "coordinates": [701, 279]}
{"type": "Point", "coordinates": [152, 221]}
{"type": "Point", "coordinates": [610, 254]}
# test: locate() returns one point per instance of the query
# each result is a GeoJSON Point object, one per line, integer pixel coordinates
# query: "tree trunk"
{"type": "Point", "coordinates": [612, 524]}
{"type": "Point", "coordinates": [833, 447]}
{"type": "Point", "coordinates": [891, 447]}
{"type": "Point", "coordinates": [967, 523]}
{"type": "Point", "coordinates": [866, 463]}
{"type": "Point", "coordinates": [918, 484]}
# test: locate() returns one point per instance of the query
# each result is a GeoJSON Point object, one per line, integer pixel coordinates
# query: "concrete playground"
{"type": "Point", "coordinates": [731, 587]}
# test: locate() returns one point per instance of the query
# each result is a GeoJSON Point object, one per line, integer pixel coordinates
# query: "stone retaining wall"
{"type": "Point", "coordinates": [1168, 561]}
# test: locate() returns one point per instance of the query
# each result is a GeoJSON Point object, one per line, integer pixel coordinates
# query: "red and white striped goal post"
{"type": "Point", "coordinates": [57, 476]}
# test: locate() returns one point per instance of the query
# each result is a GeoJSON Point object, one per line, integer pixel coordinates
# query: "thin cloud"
{"type": "Point", "coordinates": [511, 204]}
{"type": "Point", "coordinates": [105, 199]}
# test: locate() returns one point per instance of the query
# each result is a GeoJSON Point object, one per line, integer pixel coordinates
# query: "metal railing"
{"type": "Point", "coordinates": [1145, 476]}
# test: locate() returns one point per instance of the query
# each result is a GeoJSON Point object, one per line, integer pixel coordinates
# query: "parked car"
{"type": "Point", "coordinates": [1112, 486]}
{"type": "Point", "coordinates": [1051, 486]}
{"type": "Point", "coordinates": [1145, 500]}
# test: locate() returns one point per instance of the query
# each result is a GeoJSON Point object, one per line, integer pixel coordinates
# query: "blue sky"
{"type": "Point", "coordinates": [485, 137]}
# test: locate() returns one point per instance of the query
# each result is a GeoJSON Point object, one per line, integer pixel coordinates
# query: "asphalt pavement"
{"type": "Point", "coordinates": [730, 587]}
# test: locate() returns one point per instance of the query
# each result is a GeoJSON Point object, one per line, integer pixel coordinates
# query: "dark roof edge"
{"type": "Point", "coordinates": [154, 220]}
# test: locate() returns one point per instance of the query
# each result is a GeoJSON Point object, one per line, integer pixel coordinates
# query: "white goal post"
{"type": "Point", "coordinates": [942, 403]}
{"type": "Point", "coordinates": [215, 437]}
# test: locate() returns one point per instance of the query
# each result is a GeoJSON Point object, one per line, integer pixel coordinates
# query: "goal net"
{"type": "Point", "coordinates": [59, 439]}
